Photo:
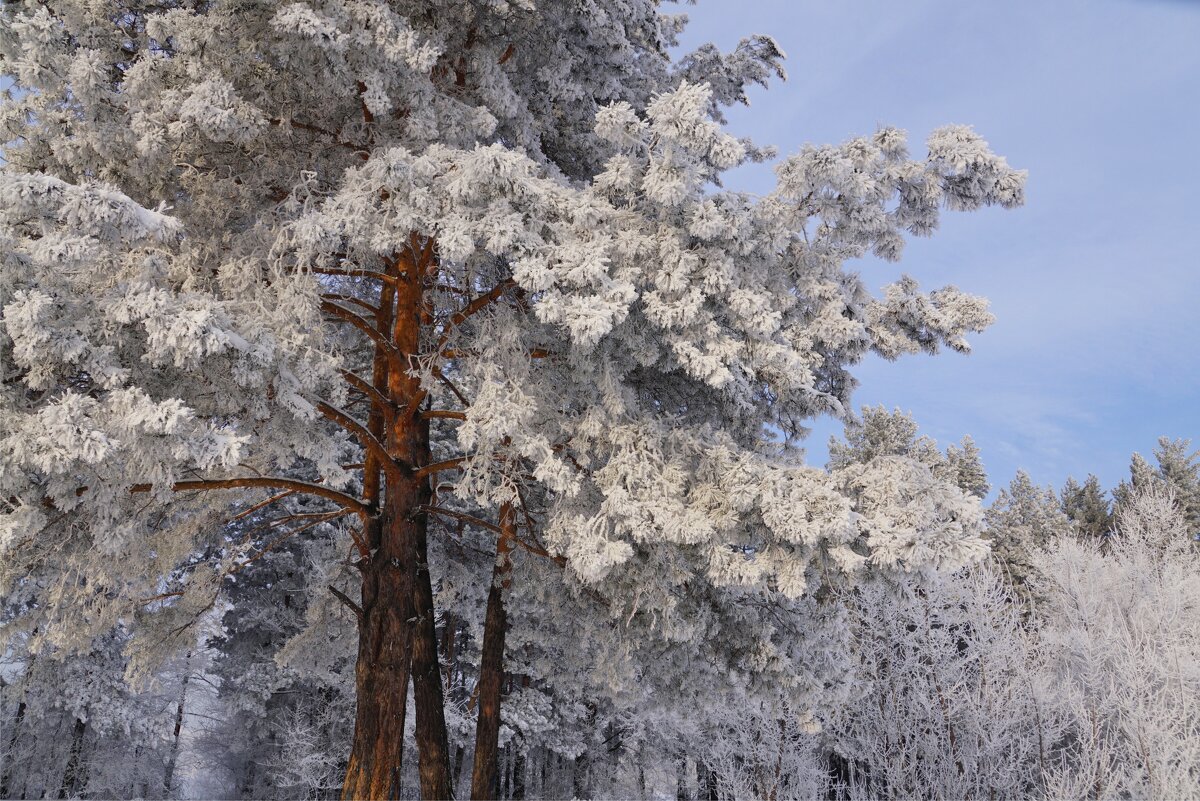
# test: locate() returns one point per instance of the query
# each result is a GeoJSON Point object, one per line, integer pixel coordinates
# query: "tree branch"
{"type": "Point", "coordinates": [303, 126]}
{"type": "Point", "coordinates": [351, 299]}
{"type": "Point", "coordinates": [384, 277]}
{"type": "Point", "coordinates": [368, 389]}
{"type": "Point", "coordinates": [474, 307]}
{"type": "Point", "coordinates": [438, 467]}
{"type": "Point", "coordinates": [355, 608]}
{"type": "Point", "coordinates": [353, 504]}
{"type": "Point", "coordinates": [360, 432]}
{"type": "Point", "coordinates": [258, 506]}
{"type": "Point", "coordinates": [466, 518]}
{"type": "Point", "coordinates": [361, 324]}
{"type": "Point", "coordinates": [445, 414]}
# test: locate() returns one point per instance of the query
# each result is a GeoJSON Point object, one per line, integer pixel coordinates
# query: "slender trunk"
{"type": "Point", "coordinates": [579, 776]}
{"type": "Point", "coordinates": [173, 756]}
{"type": "Point", "coordinates": [491, 666]}
{"type": "Point", "coordinates": [432, 742]}
{"type": "Point", "coordinates": [10, 757]}
{"type": "Point", "coordinates": [72, 773]}
{"type": "Point", "coordinates": [518, 782]}
{"type": "Point", "coordinates": [706, 781]}
{"type": "Point", "coordinates": [460, 754]}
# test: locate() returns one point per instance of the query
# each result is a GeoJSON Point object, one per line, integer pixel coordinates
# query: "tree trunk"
{"type": "Point", "coordinates": [580, 780]}
{"type": "Point", "coordinates": [396, 625]}
{"type": "Point", "coordinates": [72, 773]}
{"type": "Point", "coordinates": [460, 754]}
{"type": "Point", "coordinates": [173, 756]}
{"type": "Point", "coordinates": [491, 666]}
{"type": "Point", "coordinates": [432, 741]}
{"type": "Point", "coordinates": [10, 758]}
{"type": "Point", "coordinates": [381, 672]}
{"type": "Point", "coordinates": [518, 782]}
{"type": "Point", "coordinates": [706, 781]}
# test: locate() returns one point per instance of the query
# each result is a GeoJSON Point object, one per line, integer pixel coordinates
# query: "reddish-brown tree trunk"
{"type": "Point", "coordinates": [491, 666]}
{"type": "Point", "coordinates": [381, 672]}
{"type": "Point", "coordinates": [396, 628]}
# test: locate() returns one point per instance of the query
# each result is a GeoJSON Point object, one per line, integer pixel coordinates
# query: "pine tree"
{"type": "Point", "coordinates": [1023, 519]}
{"type": "Point", "coordinates": [439, 261]}
{"type": "Point", "coordinates": [1086, 507]}
{"type": "Point", "coordinates": [1181, 471]}
{"type": "Point", "coordinates": [1177, 470]}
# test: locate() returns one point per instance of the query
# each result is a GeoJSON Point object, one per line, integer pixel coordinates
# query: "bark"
{"type": "Point", "coordinates": [460, 754]}
{"type": "Point", "coordinates": [72, 777]}
{"type": "Point", "coordinates": [518, 781]}
{"type": "Point", "coordinates": [388, 587]}
{"type": "Point", "coordinates": [396, 627]}
{"type": "Point", "coordinates": [381, 672]}
{"type": "Point", "coordinates": [432, 741]}
{"type": "Point", "coordinates": [491, 666]}
{"type": "Point", "coordinates": [580, 778]}
{"type": "Point", "coordinates": [707, 783]}
{"type": "Point", "coordinates": [172, 758]}
{"type": "Point", "coordinates": [10, 757]}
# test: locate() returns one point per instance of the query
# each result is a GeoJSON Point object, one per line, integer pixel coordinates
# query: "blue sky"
{"type": "Point", "coordinates": [1094, 282]}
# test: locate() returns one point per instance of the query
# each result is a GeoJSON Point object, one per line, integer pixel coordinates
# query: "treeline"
{"type": "Point", "coordinates": [1067, 665]}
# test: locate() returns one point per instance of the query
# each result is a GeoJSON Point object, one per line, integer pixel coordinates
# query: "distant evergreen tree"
{"type": "Point", "coordinates": [880, 433]}
{"type": "Point", "coordinates": [967, 465]}
{"type": "Point", "coordinates": [1141, 477]}
{"type": "Point", "coordinates": [1086, 507]}
{"type": "Point", "coordinates": [1179, 466]}
{"type": "Point", "coordinates": [1024, 518]}
{"type": "Point", "coordinates": [1178, 470]}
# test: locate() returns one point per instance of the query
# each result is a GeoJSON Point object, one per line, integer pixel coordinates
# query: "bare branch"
{"type": "Point", "coordinates": [360, 432]}
{"type": "Point", "coordinates": [355, 608]}
{"type": "Point", "coordinates": [346, 501]}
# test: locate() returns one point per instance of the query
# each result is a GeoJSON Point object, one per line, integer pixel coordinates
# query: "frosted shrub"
{"type": "Point", "coordinates": [945, 707]}
{"type": "Point", "coordinates": [1120, 653]}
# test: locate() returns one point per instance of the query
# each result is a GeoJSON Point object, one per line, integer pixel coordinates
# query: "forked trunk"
{"type": "Point", "coordinates": [491, 667]}
{"type": "Point", "coordinates": [396, 626]}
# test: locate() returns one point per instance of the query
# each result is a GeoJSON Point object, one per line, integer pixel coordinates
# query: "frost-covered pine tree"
{"type": "Point", "coordinates": [446, 261]}
{"type": "Point", "coordinates": [905, 491]}
{"type": "Point", "coordinates": [1086, 507]}
{"type": "Point", "coordinates": [1178, 471]}
{"type": "Point", "coordinates": [1023, 519]}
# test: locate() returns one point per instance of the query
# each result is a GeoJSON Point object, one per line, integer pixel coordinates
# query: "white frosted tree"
{"type": "Point", "coordinates": [1178, 470]}
{"type": "Point", "coordinates": [444, 261]}
{"type": "Point", "coordinates": [1119, 654]}
{"type": "Point", "coordinates": [946, 704]}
